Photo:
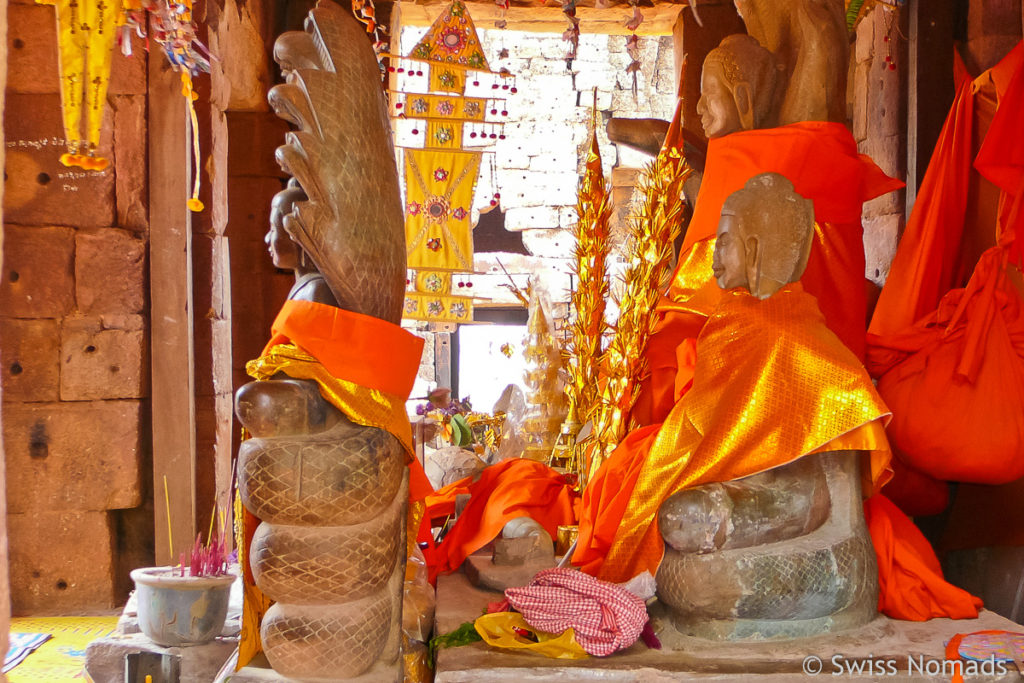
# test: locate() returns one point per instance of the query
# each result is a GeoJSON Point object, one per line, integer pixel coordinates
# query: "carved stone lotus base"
{"type": "Point", "coordinates": [822, 581]}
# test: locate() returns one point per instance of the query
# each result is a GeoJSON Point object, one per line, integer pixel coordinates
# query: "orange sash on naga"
{"type": "Point", "coordinates": [772, 383]}
{"type": "Point", "coordinates": [365, 367]}
{"type": "Point", "coordinates": [822, 162]}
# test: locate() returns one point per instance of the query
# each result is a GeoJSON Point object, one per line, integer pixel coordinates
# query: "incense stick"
{"type": "Point", "coordinates": [167, 502]}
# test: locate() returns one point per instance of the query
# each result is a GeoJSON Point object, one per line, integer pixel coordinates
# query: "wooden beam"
{"type": "Point", "coordinates": [541, 18]}
{"type": "Point", "coordinates": [170, 274]}
{"type": "Point", "coordinates": [930, 75]}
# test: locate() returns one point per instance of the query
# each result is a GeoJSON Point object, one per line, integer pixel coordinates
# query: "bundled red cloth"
{"type": "Point", "coordinates": [604, 617]}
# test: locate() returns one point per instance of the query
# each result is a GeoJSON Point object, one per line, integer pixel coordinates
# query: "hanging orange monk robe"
{"type": "Point", "coordinates": [822, 162]}
{"type": "Point", "coordinates": [772, 383]}
{"type": "Point", "coordinates": [502, 492]}
{"type": "Point", "coordinates": [1001, 157]}
{"type": "Point", "coordinates": [929, 261]}
{"type": "Point", "coordinates": [910, 583]}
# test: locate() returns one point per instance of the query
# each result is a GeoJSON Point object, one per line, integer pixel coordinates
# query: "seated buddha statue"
{"type": "Point", "coordinates": [745, 502]}
{"type": "Point", "coordinates": [820, 158]}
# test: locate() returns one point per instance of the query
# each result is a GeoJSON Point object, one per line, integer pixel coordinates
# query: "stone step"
{"type": "Point", "coordinates": [884, 650]}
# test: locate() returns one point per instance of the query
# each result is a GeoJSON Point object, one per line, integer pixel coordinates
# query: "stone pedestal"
{"type": "Point", "coordinates": [864, 653]}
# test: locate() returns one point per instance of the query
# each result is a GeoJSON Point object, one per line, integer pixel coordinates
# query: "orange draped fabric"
{"type": "Point", "coordinates": [911, 586]}
{"type": "Point", "coordinates": [358, 348]}
{"type": "Point", "coordinates": [512, 488]}
{"type": "Point", "coordinates": [928, 261]}
{"type": "Point", "coordinates": [821, 160]}
{"type": "Point", "coordinates": [950, 360]}
{"type": "Point", "coordinates": [772, 383]}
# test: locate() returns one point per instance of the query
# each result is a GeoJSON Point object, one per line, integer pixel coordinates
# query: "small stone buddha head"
{"type": "Point", "coordinates": [737, 87]}
{"type": "Point", "coordinates": [764, 236]}
{"type": "Point", "coordinates": [284, 252]}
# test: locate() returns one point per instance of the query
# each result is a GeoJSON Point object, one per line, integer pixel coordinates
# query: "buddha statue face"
{"type": "Point", "coordinates": [717, 108]}
{"type": "Point", "coordinates": [283, 251]}
{"type": "Point", "coordinates": [730, 260]}
{"type": "Point", "coordinates": [764, 236]}
{"type": "Point", "coordinates": [736, 87]}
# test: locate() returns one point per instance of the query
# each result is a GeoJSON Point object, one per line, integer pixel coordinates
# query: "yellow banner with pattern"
{"type": "Point", "coordinates": [439, 196]}
{"type": "Point", "coordinates": [438, 308]}
{"type": "Point", "coordinates": [451, 107]}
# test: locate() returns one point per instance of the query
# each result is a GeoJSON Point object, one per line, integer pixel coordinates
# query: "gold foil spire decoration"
{"type": "Point", "coordinates": [649, 259]}
{"type": "Point", "coordinates": [589, 296]}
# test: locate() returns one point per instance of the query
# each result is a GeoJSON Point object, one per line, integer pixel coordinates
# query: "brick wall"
{"type": "Point", "coordinates": [537, 167]}
{"type": "Point", "coordinates": [73, 335]}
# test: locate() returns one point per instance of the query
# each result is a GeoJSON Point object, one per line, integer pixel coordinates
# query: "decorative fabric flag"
{"type": "Point", "coordinates": [438, 308]}
{"type": "Point", "coordinates": [430, 282]}
{"type": "Point", "coordinates": [439, 195]}
{"type": "Point", "coordinates": [86, 32]}
{"type": "Point", "coordinates": [452, 40]}
{"type": "Point", "coordinates": [422, 106]}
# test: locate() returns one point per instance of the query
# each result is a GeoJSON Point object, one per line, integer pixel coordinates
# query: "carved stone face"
{"type": "Point", "coordinates": [729, 262]}
{"type": "Point", "coordinates": [283, 251]}
{"type": "Point", "coordinates": [717, 107]}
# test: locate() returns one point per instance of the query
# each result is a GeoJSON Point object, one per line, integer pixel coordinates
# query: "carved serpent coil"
{"type": "Point", "coordinates": [331, 494]}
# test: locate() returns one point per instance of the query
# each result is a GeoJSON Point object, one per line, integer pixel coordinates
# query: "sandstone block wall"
{"type": "Point", "coordinates": [74, 360]}
{"type": "Point", "coordinates": [877, 95]}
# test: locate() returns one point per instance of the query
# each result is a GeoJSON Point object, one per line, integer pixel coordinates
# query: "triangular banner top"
{"type": "Point", "coordinates": [452, 39]}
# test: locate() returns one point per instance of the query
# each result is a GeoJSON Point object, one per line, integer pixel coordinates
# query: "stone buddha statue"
{"type": "Point", "coordinates": [737, 87]}
{"type": "Point", "coordinates": [737, 92]}
{"type": "Point", "coordinates": [783, 552]}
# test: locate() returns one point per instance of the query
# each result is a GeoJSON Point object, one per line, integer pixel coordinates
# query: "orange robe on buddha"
{"type": "Point", "coordinates": [821, 160]}
{"type": "Point", "coordinates": [772, 383]}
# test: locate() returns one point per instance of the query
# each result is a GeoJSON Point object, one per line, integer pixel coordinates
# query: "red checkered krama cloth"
{"type": "Point", "coordinates": [605, 617]}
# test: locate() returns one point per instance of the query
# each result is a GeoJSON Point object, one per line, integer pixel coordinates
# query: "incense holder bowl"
{"type": "Point", "coordinates": [176, 611]}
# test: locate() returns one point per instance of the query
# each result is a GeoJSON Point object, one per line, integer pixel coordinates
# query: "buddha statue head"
{"type": "Point", "coordinates": [764, 236]}
{"type": "Point", "coordinates": [737, 87]}
{"type": "Point", "coordinates": [284, 252]}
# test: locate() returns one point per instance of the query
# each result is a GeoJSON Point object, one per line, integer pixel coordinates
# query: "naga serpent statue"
{"type": "Point", "coordinates": [325, 467]}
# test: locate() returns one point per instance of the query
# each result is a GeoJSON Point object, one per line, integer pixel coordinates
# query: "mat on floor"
{"type": "Point", "coordinates": [62, 657]}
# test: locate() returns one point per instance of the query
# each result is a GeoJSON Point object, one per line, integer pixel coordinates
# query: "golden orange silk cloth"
{"type": "Point", "coordinates": [512, 488]}
{"type": "Point", "coordinates": [911, 585]}
{"type": "Point", "coordinates": [364, 366]}
{"type": "Point", "coordinates": [771, 384]}
{"type": "Point", "coordinates": [821, 160]}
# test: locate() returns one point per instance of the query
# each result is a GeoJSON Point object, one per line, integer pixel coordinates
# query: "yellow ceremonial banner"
{"type": "Point", "coordinates": [429, 282]}
{"type": "Point", "coordinates": [452, 39]}
{"type": "Point", "coordinates": [439, 195]}
{"type": "Point", "coordinates": [445, 107]}
{"type": "Point", "coordinates": [85, 35]}
{"type": "Point", "coordinates": [444, 134]}
{"type": "Point", "coordinates": [448, 79]}
{"type": "Point", "coordinates": [101, 18]}
{"type": "Point", "coordinates": [72, 46]}
{"type": "Point", "coordinates": [438, 308]}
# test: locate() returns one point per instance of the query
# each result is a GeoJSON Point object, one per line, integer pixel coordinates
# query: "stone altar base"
{"type": "Point", "coordinates": [104, 658]}
{"type": "Point", "coordinates": [884, 650]}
